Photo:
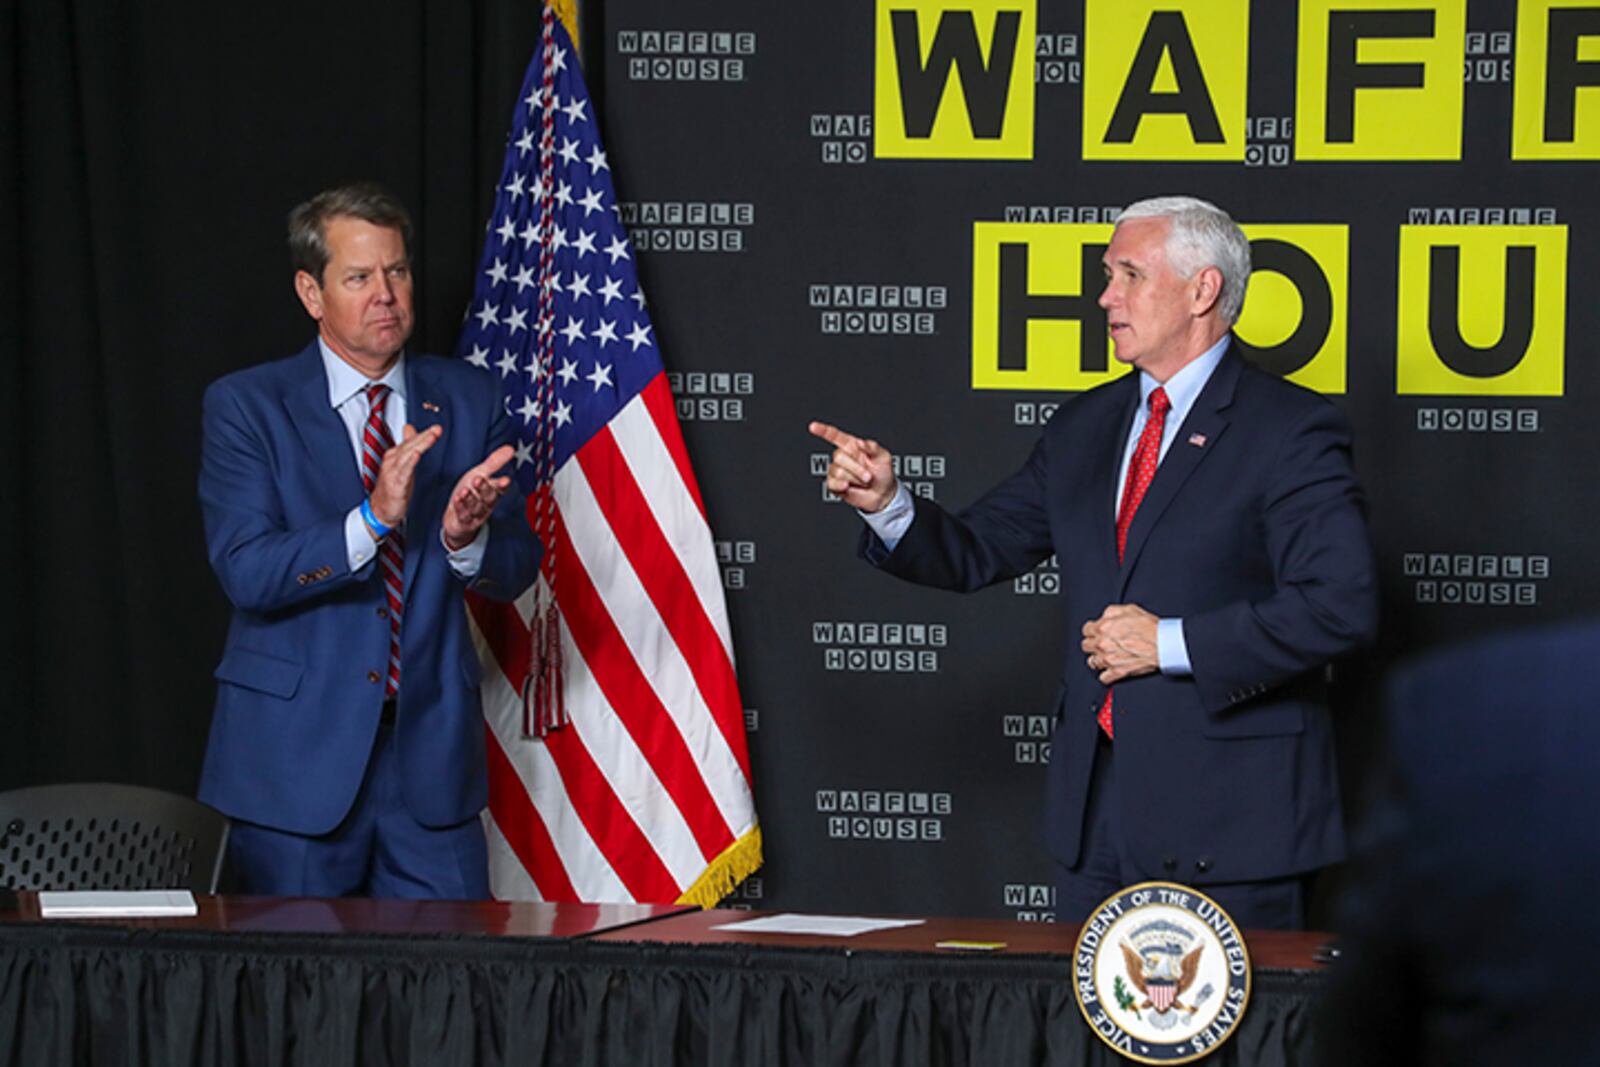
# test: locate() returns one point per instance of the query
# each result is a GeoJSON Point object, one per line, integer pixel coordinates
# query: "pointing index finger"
{"type": "Point", "coordinates": [833, 435]}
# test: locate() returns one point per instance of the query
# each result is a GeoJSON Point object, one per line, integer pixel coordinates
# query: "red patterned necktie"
{"type": "Point", "coordinates": [375, 441]}
{"type": "Point", "coordinates": [1141, 469]}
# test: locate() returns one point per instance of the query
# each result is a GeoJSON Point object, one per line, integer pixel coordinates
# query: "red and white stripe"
{"type": "Point", "coordinates": [650, 783]}
{"type": "Point", "coordinates": [376, 440]}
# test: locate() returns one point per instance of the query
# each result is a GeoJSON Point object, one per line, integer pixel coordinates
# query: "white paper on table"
{"type": "Point", "coordinates": [84, 904]}
{"type": "Point", "coordinates": [826, 925]}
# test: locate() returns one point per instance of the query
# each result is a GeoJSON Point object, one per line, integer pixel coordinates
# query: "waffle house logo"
{"type": "Point", "coordinates": [1375, 80]}
{"type": "Point", "coordinates": [1165, 79]}
{"type": "Point", "coordinates": [1380, 80]}
{"type": "Point", "coordinates": [1482, 310]}
{"type": "Point", "coordinates": [1556, 94]}
{"type": "Point", "coordinates": [1037, 323]}
{"type": "Point", "coordinates": [954, 80]}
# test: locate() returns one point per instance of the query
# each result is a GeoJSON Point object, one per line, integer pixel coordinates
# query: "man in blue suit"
{"type": "Point", "coordinates": [1468, 927]}
{"type": "Point", "coordinates": [350, 496]}
{"type": "Point", "coordinates": [1214, 558]}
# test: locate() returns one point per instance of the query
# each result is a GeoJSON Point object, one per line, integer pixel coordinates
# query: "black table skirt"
{"type": "Point", "coordinates": [75, 994]}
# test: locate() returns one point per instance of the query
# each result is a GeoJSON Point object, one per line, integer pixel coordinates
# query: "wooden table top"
{"type": "Point", "coordinates": [641, 923]}
{"type": "Point", "coordinates": [1272, 949]}
{"type": "Point", "coordinates": [356, 915]}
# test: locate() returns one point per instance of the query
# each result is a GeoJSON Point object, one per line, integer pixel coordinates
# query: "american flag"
{"type": "Point", "coordinates": [618, 767]}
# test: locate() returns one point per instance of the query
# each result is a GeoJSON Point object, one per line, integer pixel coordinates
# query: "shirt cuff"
{"type": "Point", "coordinates": [894, 520]}
{"type": "Point", "coordinates": [467, 561]}
{"type": "Point", "coordinates": [1172, 651]}
{"type": "Point", "coordinates": [359, 547]}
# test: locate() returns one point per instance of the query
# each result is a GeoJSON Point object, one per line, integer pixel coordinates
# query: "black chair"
{"type": "Point", "coordinates": [96, 835]}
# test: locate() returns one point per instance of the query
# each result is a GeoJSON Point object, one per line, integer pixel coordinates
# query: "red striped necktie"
{"type": "Point", "coordinates": [1141, 469]}
{"type": "Point", "coordinates": [375, 441]}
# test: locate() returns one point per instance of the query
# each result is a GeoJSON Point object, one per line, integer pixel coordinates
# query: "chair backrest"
{"type": "Point", "coordinates": [96, 835]}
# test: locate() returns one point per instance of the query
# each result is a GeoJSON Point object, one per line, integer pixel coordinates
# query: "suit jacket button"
{"type": "Point", "coordinates": [383, 613]}
{"type": "Point", "coordinates": [302, 578]}
{"type": "Point", "coordinates": [373, 676]}
{"type": "Point", "coordinates": [1202, 865]}
{"type": "Point", "coordinates": [1169, 864]}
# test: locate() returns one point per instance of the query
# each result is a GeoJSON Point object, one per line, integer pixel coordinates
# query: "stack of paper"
{"type": "Point", "coordinates": [102, 904]}
{"type": "Point", "coordinates": [825, 925]}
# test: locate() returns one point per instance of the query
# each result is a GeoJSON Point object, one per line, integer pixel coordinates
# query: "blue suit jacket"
{"type": "Point", "coordinates": [1469, 922]}
{"type": "Point", "coordinates": [1253, 533]}
{"type": "Point", "coordinates": [297, 704]}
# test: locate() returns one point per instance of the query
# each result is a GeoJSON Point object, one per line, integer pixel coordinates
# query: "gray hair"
{"type": "Point", "coordinates": [1202, 235]}
{"type": "Point", "coordinates": [308, 222]}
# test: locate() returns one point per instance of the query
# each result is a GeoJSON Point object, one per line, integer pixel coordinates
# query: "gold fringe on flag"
{"type": "Point", "coordinates": [736, 863]}
{"type": "Point", "coordinates": [567, 12]}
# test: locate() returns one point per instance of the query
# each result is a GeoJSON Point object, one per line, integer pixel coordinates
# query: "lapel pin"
{"type": "Point", "coordinates": [428, 405]}
{"type": "Point", "coordinates": [1198, 440]}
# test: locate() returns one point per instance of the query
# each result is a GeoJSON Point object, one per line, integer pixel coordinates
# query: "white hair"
{"type": "Point", "coordinates": [1202, 235]}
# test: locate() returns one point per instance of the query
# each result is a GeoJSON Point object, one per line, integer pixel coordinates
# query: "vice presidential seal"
{"type": "Point", "coordinates": [1161, 973]}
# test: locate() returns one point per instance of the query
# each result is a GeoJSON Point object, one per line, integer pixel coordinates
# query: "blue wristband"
{"type": "Point", "coordinates": [372, 520]}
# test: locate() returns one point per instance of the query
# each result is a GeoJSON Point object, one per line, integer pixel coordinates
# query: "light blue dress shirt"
{"type": "Point", "coordinates": [1183, 389]}
{"type": "Point", "coordinates": [347, 395]}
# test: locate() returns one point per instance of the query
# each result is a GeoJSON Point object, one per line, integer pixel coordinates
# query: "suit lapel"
{"type": "Point", "coordinates": [322, 432]}
{"type": "Point", "coordinates": [1195, 440]}
{"type": "Point", "coordinates": [425, 403]}
{"type": "Point", "coordinates": [425, 406]}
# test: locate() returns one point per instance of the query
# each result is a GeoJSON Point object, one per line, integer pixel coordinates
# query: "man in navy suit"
{"type": "Point", "coordinates": [1214, 558]}
{"type": "Point", "coordinates": [1469, 926]}
{"type": "Point", "coordinates": [350, 496]}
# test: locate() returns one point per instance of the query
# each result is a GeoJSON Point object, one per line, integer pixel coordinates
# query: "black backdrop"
{"type": "Point", "coordinates": [150, 153]}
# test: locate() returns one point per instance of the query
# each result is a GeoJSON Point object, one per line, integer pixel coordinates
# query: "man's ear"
{"type": "Point", "coordinates": [1208, 290]}
{"type": "Point", "coordinates": [309, 290]}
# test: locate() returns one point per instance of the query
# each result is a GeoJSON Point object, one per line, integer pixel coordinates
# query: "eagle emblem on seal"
{"type": "Point", "coordinates": [1162, 959]}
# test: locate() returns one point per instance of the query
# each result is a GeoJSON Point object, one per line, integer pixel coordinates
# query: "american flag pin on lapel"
{"type": "Point", "coordinates": [428, 405]}
{"type": "Point", "coordinates": [1198, 440]}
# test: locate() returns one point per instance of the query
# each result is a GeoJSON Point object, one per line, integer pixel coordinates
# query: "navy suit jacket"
{"type": "Point", "coordinates": [1253, 533]}
{"type": "Point", "coordinates": [300, 684]}
{"type": "Point", "coordinates": [1469, 921]}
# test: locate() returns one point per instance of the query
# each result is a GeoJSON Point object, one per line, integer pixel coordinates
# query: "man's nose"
{"type": "Point", "coordinates": [385, 291]}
